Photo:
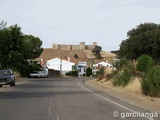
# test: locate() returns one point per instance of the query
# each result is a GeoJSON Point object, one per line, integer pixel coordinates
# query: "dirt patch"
{"type": "Point", "coordinates": [131, 94]}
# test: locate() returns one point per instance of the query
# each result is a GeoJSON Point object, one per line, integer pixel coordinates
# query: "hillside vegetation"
{"type": "Point", "coordinates": [139, 60]}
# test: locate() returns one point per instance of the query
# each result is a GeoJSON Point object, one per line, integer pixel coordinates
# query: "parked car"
{"type": "Point", "coordinates": [7, 77]}
{"type": "Point", "coordinates": [34, 74]}
{"type": "Point", "coordinates": [43, 73]}
{"type": "Point", "coordinates": [38, 74]}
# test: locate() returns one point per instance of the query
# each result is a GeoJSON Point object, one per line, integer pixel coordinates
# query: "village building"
{"type": "Point", "coordinates": [67, 55]}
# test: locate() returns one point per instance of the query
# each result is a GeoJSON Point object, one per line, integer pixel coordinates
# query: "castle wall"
{"type": "Point", "coordinates": [64, 47]}
{"type": "Point", "coordinates": [81, 46]}
{"type": "Point", "coordinates": [75, 47]}
{"type": "Point", "coordinates": [61, 47]}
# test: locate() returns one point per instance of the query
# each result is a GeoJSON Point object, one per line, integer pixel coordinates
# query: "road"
{"type": "Point", "coordinates": [61, 99]}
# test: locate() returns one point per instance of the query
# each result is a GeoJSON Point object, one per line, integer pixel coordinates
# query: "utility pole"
{"type": "Point", "coordinates": [90, 56]}
{"type": "Point", "coordinates": [61, 64]}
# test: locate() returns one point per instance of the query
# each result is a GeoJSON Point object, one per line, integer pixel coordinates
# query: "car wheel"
{"type": "Point", "coordinates": [0, 86]}
{"type": "Point", "coordinates": [12, 84]}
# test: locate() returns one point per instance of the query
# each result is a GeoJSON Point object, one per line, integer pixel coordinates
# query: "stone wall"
{"type": "Point", "coordinates": [75, 47]}
{"type": "Point", "coordinates": [81, 46]}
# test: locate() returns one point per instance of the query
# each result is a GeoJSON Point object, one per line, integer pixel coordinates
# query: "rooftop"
{"type": "Point", "coordinates": [83, 55]}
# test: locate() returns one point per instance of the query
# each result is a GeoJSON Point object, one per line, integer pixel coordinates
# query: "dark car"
{"type": "Point", "coordinates": [7, 77]}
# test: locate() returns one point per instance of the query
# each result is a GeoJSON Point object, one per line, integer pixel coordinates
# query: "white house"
{"type": "Point", "coordinates": [100, 65]}
{"type": "Point", "coordinates": [56, 64]}
{"type": "Point", "coordinates": [104, 64]}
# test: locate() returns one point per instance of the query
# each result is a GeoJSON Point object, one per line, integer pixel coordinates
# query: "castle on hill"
{"type": "Point", "coordinates": [81, 46]}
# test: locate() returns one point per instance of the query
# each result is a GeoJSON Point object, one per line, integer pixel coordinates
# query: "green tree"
{"type": "Point", "coordinates": [121, 63]}
{"type": "Point", "coordinates": [11, 47]}
{"type": "Point", "coordinates": [16, 48]}
{"type": "Point", "coordinates": [88, 71]}
{"type": "Point", "coordinates": [75, 56]}
{"type": "Point", "coordinates": [96, 51]}
{"type": "Point", "coordinates": [144, 39]}
{"type": "Point", "coordinates": [31, 47]}
{"type": "Point", "coordinates": [145, 63]}
{"type": "Point", "coordinates": [2, 25]}
{"type": "Point", "coordinates": [151, 83]}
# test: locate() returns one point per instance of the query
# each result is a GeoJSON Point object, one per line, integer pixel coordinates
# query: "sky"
{"type": "Point", "coordinates": [72, 21]}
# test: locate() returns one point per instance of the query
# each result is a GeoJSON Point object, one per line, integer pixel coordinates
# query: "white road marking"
{"type": "Point", "coordinates": [108, 99]}
{"type": "Point", "coordinates": [54, 108]}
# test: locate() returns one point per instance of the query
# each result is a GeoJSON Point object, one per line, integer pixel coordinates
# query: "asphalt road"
{"type": "Point", "coordinates": [62, 99]}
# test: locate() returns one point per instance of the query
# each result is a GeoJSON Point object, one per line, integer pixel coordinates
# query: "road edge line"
{"type": "Point", "coordinates": [115, 103]}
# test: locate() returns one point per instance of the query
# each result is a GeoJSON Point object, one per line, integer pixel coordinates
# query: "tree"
{"type": "Point", "coordinates": [151, 83]}
{"type": "Point", "coordinates": [88, 71]}
{"type": "Point", "coordinates": [16, 48]}
{"type": "Point", "coordinates": [31, 47]}
{"type": "Point", "coordinates": [75, 56]}
{"type": "Point", "coordinates": [144, 39]}
{"type": "Point", "coordinates": [11, 47]}
{"type": "Point", "coordinates": [115, 52]}
{"type": "Point", "coordinates": [96, 51]}
{"type": "Point", "coordinates": [145, 63]}
{"type": "Point", "coordinates": [2, 25]}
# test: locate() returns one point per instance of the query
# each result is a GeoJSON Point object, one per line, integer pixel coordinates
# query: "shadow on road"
{"type": "Point", "coordinates": [45, 87]}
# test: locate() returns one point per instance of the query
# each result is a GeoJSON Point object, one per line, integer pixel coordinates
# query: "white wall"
{"type": "Point", "coordinates": [56, 62]}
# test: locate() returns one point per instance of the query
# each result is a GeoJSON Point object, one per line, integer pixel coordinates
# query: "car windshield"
{"type": "Point", "coordinates": [4, 72]}
{"type": "Point", "coordinates": [35, 72]}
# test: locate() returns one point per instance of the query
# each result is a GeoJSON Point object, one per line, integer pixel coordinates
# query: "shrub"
{"type": "Point", "coordinates": [68, 73]}
{"type": "Point", "coordinates": [120, 64]}
{"type": "Point", "coordinates": [109, 76]}
{"type": "Point", "coordinates": [26, 69]}
{"type": "Point", "coordinates": [75, 73]}
{"type": "Point", "coordinates": [72, 73]}
{"type": "Point", "coordinates": [145, 62]}
{"type": "Point", "coordinates": [151, 83]}
{"type": "Point", "coordinates": [88, 71]}
{"type": "Point", "coordinates": [124, 77]}
{"type": "Point", "coordinates": [100, 74]}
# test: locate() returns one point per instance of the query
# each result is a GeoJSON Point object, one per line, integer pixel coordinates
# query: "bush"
{"type": "Point", "coordinates": [72, 73]}
{"type": "Point", "coordinates": [75, 73]}
{"type": "Point", "coordinates": [25, 70]}
{"type": "Point", "coordinates": [100, 74]}
{"type": "Point", "coordinates": [151, 83]}
{"type": "Point", "coordinates": [121, 63]}
{"type": "Point", "coordinates": [109, 76]}
{"type": "Point", "coordinates": [68, 73]}
{"type": "Point", "coordinates": [88, 71]}
{"type": "Point", "coordinates": [124, 77]}
{"type": "Point", "coordinates": [145, 62]}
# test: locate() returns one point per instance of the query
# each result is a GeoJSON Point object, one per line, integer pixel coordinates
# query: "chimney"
{"type": "Point", "coordinates": [68, 59]}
